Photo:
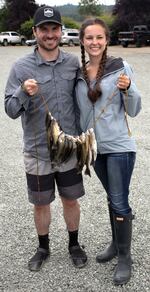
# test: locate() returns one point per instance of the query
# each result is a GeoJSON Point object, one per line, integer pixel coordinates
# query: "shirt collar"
{"type": "Point", "coordinates": [40, 60]}
{"type": "Point", "coordinates": [113, 64]}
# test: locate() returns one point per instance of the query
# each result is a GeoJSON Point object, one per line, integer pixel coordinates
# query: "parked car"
{"type": "Point", "coordinates": [70, 37]}
{"type": "Point", "coordinates": [31, 42]}
{"type": "Point", "coordinates": [11, 38]}
{"type": "Point", "coordinates": [140, 35]}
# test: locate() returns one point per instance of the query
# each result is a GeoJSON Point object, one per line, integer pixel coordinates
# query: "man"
{"type": "Point", "coordinates": [45, 80]}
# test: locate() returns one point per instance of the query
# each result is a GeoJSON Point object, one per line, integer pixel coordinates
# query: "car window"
{"type": "Point", "coordinates": [14, 34]}
{"type": "Point", "coordinates": [72, 34]}
{"type": "Point", "coordinates": [5, 33]}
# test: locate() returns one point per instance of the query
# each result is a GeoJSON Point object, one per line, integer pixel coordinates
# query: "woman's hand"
{"type": "Point", "coordinates": [123, 82]}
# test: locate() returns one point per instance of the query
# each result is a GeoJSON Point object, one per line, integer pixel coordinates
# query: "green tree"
{"type": "Point", "coordinates": [89, 8]}
{"type": "Point", "coordinates": [108, 18]}
{"type": "Point", "coordinates": [131, 12]}
{"type": "Point", "coordinates": [3, 18]}
{"type": "Point", "coordinates": [26, 28]}
{"type": "Point", "coordinates": [69, 22]}
{"type": "Point", "coordinates": [19, 11]}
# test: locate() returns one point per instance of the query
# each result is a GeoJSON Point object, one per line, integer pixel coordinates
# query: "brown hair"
{"type": "Point", "coordinates": [96, 92]}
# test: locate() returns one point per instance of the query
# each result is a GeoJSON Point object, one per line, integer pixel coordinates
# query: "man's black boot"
{"type": "Point", "coordinates": [111, 250]}
{"type": "Point", "coordinates": [123, 225]}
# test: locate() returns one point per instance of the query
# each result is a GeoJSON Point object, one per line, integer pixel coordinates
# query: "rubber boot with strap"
{"type": "Point", "coordinates": [111, 250]}
{"type": "Point", "coordinates": [123, 227]}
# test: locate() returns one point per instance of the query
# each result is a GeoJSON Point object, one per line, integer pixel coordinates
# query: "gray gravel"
{"type": "Point", "coordinates": [17, 232]}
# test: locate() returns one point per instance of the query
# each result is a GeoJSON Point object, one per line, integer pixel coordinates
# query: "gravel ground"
{"type": "Point", "coordinates": [17, 232]}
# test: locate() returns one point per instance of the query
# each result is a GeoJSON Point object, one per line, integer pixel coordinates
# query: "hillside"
{"type": "Point", "coordinates": [71, 10]}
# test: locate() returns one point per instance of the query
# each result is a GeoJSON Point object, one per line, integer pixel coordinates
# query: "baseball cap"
{"type": "Point", "coordinates": [46, 14]}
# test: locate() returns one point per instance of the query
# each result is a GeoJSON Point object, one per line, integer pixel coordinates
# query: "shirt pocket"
{"type": "Point", "coordinates": [44, 83]}
{"type": "Point", "coordinates": [67, 81]}
{"type": "Point", "coordinates": [41, 98]}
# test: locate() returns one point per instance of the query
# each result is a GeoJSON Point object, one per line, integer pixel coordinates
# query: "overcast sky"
{"type": "Point", "coordinates": [75, 2]}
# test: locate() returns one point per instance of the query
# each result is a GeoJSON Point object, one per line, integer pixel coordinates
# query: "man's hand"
{"type": "Point", "coordinates": [30, 86]}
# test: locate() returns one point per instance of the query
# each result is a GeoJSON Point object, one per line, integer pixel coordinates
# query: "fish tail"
{"type": "Point", "coordinates": [87, 172]}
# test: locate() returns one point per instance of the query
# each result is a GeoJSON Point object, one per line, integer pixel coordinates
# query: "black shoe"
{"type": "Point", "coordinates": [78, 256]}
{"type": "Point", "coordinates": [36, 262]}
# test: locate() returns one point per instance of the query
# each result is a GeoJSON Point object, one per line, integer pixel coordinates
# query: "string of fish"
{"type": "Point", "coordinates": [62, 146]}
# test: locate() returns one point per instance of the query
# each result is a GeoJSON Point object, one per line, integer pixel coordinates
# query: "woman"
{"type": "Point", "coordinates": [105, 92]}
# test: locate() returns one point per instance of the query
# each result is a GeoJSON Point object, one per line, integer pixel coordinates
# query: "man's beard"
{"type": "Point", "coordinates": [49, 49]}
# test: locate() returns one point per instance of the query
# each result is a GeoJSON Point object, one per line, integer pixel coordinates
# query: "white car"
{"type": "Point", "coordinates": [31, 42]}
{"type": "Point", "coordinates": [70, 37]}
{"type": "Point", "coordinates": [11, 38]}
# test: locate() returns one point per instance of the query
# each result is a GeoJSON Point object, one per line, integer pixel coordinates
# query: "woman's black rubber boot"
{"type": "Point", "coordinates": [111, 250]}
{"type": "Point", "coordinates": [123, 229]}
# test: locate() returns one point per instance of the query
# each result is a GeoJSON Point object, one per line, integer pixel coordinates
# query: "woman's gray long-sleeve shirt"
{"type": "Point", "coordinates": [56, 86]}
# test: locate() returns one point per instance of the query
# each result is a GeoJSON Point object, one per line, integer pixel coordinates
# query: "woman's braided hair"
{"type": "Point", "coordinates": [96, 92]}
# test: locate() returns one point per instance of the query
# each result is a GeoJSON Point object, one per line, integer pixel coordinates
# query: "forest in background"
{"type": "Point", "coordinates": [18, 14]}
{"type": "Point", "coordinates": [70, 10]}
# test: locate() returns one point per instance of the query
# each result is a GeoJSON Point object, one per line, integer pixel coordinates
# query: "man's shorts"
{"type": "Point", "coordinates": [42, 179]}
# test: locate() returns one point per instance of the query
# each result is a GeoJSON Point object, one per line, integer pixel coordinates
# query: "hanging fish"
{"type": "Point", "coordinates": [62, 146]}
{"type": "Point", "coordinates": [93, 144]}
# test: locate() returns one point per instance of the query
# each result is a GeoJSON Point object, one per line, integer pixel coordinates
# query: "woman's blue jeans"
{"type": "Point", "coordinates": [114, 171]}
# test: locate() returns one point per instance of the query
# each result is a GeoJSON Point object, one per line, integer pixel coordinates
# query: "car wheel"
{"type": "Point", "coordinates": [5, 43]}
{"type": "Point", "coordinates": [124, 44]}
{"type": "Point", "coordinates": [70, 43]}
{"type": "Point", "coordinates": [23, 42]}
